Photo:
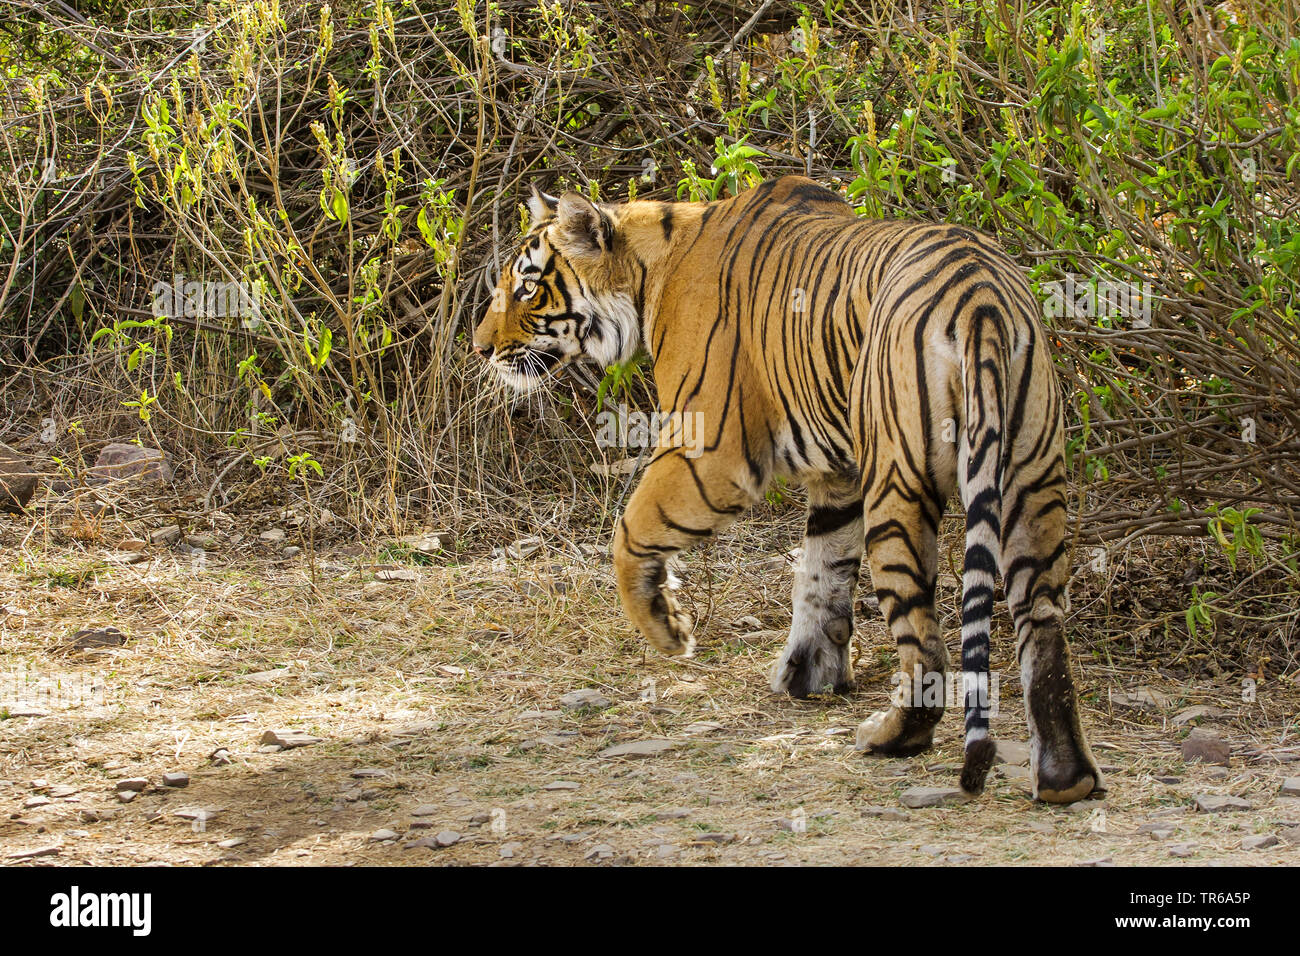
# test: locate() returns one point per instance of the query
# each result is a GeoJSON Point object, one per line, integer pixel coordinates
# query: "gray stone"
{"type": "Point", "coordinates": [119, 462]}
{"type": "Point", "coordinates": [368, 773]}
{"type": "Point", "coordinates": [917, 798]}
{"type": "Point", "coordinates": [34, 853]}
{"type": "Point", "coordinates": [640, 748]}
{"type": "Point", "coordinates": [508, 850]}
{"type": "Point", "coordinates": [273, 535]}
{"type": "Point", "coordinates": [1206, 748]}
{"type": "Point", "coordinates": [1291, 787]}
{"type": "Point", "coordinates": [587, 697]}
{"type": "Point", "coordinates": [166, 535]}
{"type": "Point", "coordinates": [291, 552]}
{"type": "Point", "coordinates": [426, 810]}
{"type": "Point", "coordinates": [884, 813]}
{"type": "Point", "coordinates": [1161, 833]}
{"type": "Point", "coordinates": [31, 803]}
{"type": "Point", "coordinates": [1012, 752]}
{"type": "Point", "coordinates": [1142, 698]}
{"type": "Point", "coordinates": [388, 575]}
{"type": "Point", "coordinates": [601, 851]}
{"type": "Point", "coordinates": [133, 783]}
{"type": "Point", "coordinates": [1260, 841]}
{"type": "Point", "coordinates": [177, 780]}
{"type": "Point", "coordinates": [562, 785]}
{"type": "Point", "coordinates": [126, 796]}
{"type": "Point", "coordinates": [17, 480]}
{"type": "Point", "coordinates": [1182, 850]}
{"type": "Point", "coordinates": [287, 739]}
{"type": "Point", "coordinates": [1211, 803]}
{"type": "Point", "coordinates": [381, 836]}
{"type": "Point", "coordinates": [62, 791]}
{"type": "Point", "coordinates": [447, 838]}
{"type": "Point", "coordinates": [1194, 713]}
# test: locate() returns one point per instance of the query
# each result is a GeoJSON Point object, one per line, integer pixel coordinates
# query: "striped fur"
{"type": "Point", "coordinates": [886, 365]}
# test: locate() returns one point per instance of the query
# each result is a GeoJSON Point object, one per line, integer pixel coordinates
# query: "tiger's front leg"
{"type": "Point", "coordinates": [816, 655]}
{"type": "Point", "coordinates": [673, 508]}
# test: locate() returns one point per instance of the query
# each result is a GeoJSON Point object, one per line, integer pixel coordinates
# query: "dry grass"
{"type": "Point", "coordinates": [450, 685]}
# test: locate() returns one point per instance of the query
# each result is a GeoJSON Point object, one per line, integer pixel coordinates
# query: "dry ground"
{"type": "Point", "coordinates": [442, 695]}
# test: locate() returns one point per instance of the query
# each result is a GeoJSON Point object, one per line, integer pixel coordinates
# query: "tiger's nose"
{"type": "Point", "coordinates": [484, 351]}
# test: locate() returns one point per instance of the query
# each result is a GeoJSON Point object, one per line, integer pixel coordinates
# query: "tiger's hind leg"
{"type": "Point", "coordinates": [816, 655]}
{"type": "Point", "coordinates": [1036, 567]}
{"type": "Point", "coordinates": [902, 552]}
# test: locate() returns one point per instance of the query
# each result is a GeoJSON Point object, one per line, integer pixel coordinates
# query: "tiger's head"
{"type": "Point", "coordinates": [565, 293]}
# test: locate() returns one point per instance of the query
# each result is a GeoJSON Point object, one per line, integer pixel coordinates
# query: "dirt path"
{"type": "Point", "coordinates": [438, 706]}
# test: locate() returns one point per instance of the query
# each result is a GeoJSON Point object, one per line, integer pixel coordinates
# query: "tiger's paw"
{"type": "Point", "coordinates": [671, 628]}
{"type": "Point", "coordinates": [899, 732]}
{"type": "Point", "coordinates": [1065, 781]}
{"type": "Point", "coordinates": [807, 668]}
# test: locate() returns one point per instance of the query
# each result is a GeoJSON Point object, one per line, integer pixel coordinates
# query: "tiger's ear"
{"type": "Point", "coordinates": [584, 230]}
{"type": "Point", "coordinates": [541, 206]}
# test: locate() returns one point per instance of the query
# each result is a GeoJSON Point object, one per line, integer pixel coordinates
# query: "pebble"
{"type": "Point", "coordinates": [126, 796]}
{"type": "Point", "coordinates": [274, 535]}
{"type": "Point", "coordinates": [425, 810]}
{"type": "Point", "coordinates": [1209, 803]}
{"type": "Point", "coordinates": [1261, 841]}
{"type": "Point", "coordinates": [133, 783]}
{"type": "Point", "coordinates": [884, 813]}
{"type": "Point", "coordinates": [601, 851]}
{"type": "Point", "coordinates": [640, 748]}
{"type": "Point", "coordinates": [177, 780]}
{"type": "Point", "coordinates": [562, 785]}
{"type": "Point", "coordinates": [1182, 850]}
{"type": "Point", "coordinates": [508, 850]}
{"type": "Point", "coordinates": [34, 853]}
{"type": "Point", "coordinates": [396, 574]}
{"type": "Point", "coordinates": [1012, 752]}
{"type": "Point", "coordinates": [447, 838]}
{"type": "Point", "coordinates": [917, 798]}
{"type": "Point", "coordinates": [576, 700]}
{"type": "Point", "coordinates": [62, 791]}
{"type": "Point", "coordinates": [1291, 787]}
{"type": "Point", "coordinates": [382, 836]}
{"type": "Point", "coordinates": [1206, 748]}
{"type": "Point", "coordinates": [291, 552]}
{"type": "Point", "coordinates": [31, 803]}
{"type": "Point", "coordinates": [287, 739]}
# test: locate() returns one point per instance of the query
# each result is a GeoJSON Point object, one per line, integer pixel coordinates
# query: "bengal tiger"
{"type": "Point", "coordinates": [882, 364]}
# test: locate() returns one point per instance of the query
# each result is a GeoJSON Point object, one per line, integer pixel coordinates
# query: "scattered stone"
{"type": "Point", "coordinates": [1182, 850]}
{"type": "Point", "coordinates": [28, 712]}
{"type": "Point", "coordinates": [1012, 752]}
{"type": "Point", "coordinates": [198, 814]}
{"type": "Point", "coordinates": [231, 843]}
{"type": "Point", "coordinates": [930, 849]}
{"type": "Point", "coordinates": [288, 739]}
{"type": "Point", "coordinates": [40, 783]}
{"type": "Point", "coordinates": [1194, 713]}
{"type": "Point", "coordinates": [562, 785]}
{"type": "Point", "coordinates": [90, 816]}
{"type": "Point", "coordinates": [169, 534]}
{"type": "Point", "coordinates": [1040, 826]}
{"type": "Point", "coordinates": [1102, 861]}
{"type": "Point", "coordinates": [266, 677]}
{"type": "Point", "coordinates": [1291, 787]}
{"type": "Point", "coordinates": [1014, 773]}
{"type": "Point", "coordinates": [17, 480]}
{"type": "Point", "coordinates": [1290, 835]}
{"type": "Point", "coordinates": [884, 813]}
{"type": "Point", "coordinates": [388, 575]}
{"type": "Point", "coordinates": [1161, 833]}
{"type": "Point", "coordinates": [34, 853]}
{"type": "Point", "coordinates": [118, 462]}
{"type": "Point", "coordinates": [640, 748]}
{"type": "Point", "coordinates": [95, 638]}
{"type": "Point", "coordinates": [508, 850]}
{"type": "Point", "coordinates": [1261, 841]}
{"type": "Point", "coordinates": [523, 548]}
{"type": "Point", "coordinates": [273, 535]}
{"type": "Point", "coordinates": [1206, 748]}
{"type": "Point", "coordinates": [1210, 803]}
{"type": "Point", "coordinates": [219, 757]}
{"type": "Point", "coordinates": [382, 836]}
{"type": "Point", "coordinates": [601, 851]}
{"type": "Point", "coordinates": [681, 813]}
{"type": "Point", "coordinates": [917, 798]}
{"type": "Point", "coordinates": [666, 850]}
{"type": "Point", "coordinates": [31, 803]}
{"type": "Point", "coordinates": [291, 552]}
{"type": "Point", "coordinates": [447, 838]}
{"type": "Point", "coordinates": [126, 796]}
{"type": "Point", "coordinates": [426, 810]}
{"type": "Point", "coordinates": [1142, 698]}
{"type": "Point", "coordinates": [702, 727]}
{"type": "Point", "coordinates": [587, 697]}
{"type": "Point", "coordinates": [177, 780]}
{"type": "Point", "coordinates": [132, 544]}
{"type": "Point", "coordinates": [368, 773]}
{"type": "Point", "coordinates": [1171, 781]}
{"type": "Point", "coordinates": [838, 731]}
{"type": "Point", "coordinates": [133, 783]}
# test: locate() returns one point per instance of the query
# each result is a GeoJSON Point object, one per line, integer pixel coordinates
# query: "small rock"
{"type": "Point", "coordinates": [1194, 713]}
{"type": "Point", "coordinates": [601, 851]}
{"type": "Point", "coordinates": [133, 783]}
{"type": "Point", "coordinates": [168, 534]}
{"type": "Point", "coordinates": [126, 796]}
{"type": "Point", "coordinates": [1291, 787]}
{"type": "Point", "coordinates": [219, 757]}
{"type": "Point", "coordinates": [576, 700]}
{"type": "Point", "coordinates": [387, 575]}
{"type": "Point", "coordinates": [508, 850]}
{"type": "Point", "coordinates": [1014, 772]}
{"type": "Point", "coordinates": [1142, 698]}
{"type": "Point", "coordinates": [89, 816]}
{"type": "Point", "coordinates": [62, 791]}
{"type": "Point", "coordinates": [884, 813]}
{"type": "Point", "coordinates": [93, 638]}
{"type": "Point", "coordinates": [701, 728]}
{"type": "Point", "coordinates": [524, 547]}
{"type": "Point", "coordinates": [381, 836]}
{"type": "Point", "coordinates": [1182, 850]}
{"type": "Point", "coordinates": [231, 843]}
{"type": "Point", "coordinates": [177, 780]}
{"type": "Point", "coordinates": [34, 853]}
{"type": "Point", "coordinates": [1261, 841]}
{"type": "Point", "coordinates": [17, 480]}
{"type": "Point", "coordinates": [31, 803]}
{"type": "Point", "coordinates": [1169, 780]}
{"type": "Point", "coordinates": [132, 544]}
{"type": "Point", "coordinates": [640, 748]}
{"type": "Point", "coordinates": [198, 814]}
{"type": "Point", "coordinates": [1012, 752]}
{"type": "Point", "coordinates": [1206, 748]}
{"type": "Point", "coordinates": [666, 850]}
{"type": "Point", "coordinates": [273, 536]}
{"type": "Point", "coordinates": [1161, 833]}
{"type": "Point", "coordinates": [681, 813]}
{"type": "Point", "coordinates": [447, 838]}
{"type": "Point", "coordinates": [562, 785]}
{"type": "Point", "coordinates": [917, 798]}
{"type": "Point", "coordinates": [288, 739]}
{"type": "Point", "coordinates": [119, 461]}
{"type": "Point", "coordinates": [425, 810]}
{"type": "Point", "coordinates": [1209, 803]}
{"type": "Point", "coordinates": [368, 773]}
{"type": "Point", "coordinates": [291, 552]}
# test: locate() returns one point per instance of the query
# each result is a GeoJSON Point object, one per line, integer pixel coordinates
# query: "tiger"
{"type": "Point", "coordinates": [882, 364]}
